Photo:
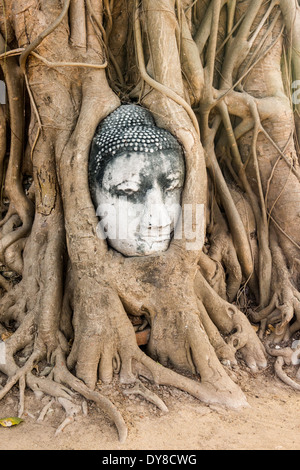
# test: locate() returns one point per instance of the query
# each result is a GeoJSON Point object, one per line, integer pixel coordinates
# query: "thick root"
{"type": "Point", "coordinates": [140, 389]}
{"type": "Point", "coordinates": [220, 390]}
{"type": "Point", "coordinates": [283, 376]}
{"type": "Point", "coordinates": [232, 323]}
{"type": "Point", "coordinates": [64, 376]}
{"type": "Point", "coordinates": [284, 305]}
{"type": "Point", "coordinates": [285, 356]}
{"type": "Point", "coordinates": [192, 351]}
{"type": "Point", "coordinates": [72, 410]}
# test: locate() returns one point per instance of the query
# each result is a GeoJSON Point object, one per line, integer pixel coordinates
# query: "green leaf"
{"type": "Point", "coordinates": [8, 422]}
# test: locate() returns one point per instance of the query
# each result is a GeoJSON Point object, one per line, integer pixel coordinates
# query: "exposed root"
{"type": "Point", "coordinates": [20, 203]}
{"type": "Point", "coordinates": [45, 410]}
{"type": "Point", "coordinates": [285, 356]}
{"type": "Point", "coordinates": [61, 385]}
{"type": "Point", "coordinates": [222, 251]}
{"type": "Point", "coordinates": [72, 410]}
{"type": "Point", "coordinates": [284, 305]}
{"type": "Point", "coordinates": [21, 372]}
{"type": "Point", "coordinates": [153, 83]}
{"type": "Point", "coordinates": [64, 376]}
{"type": "Point", "coordinates": [44, 385]}
{"type": "Point", "coordinates": [140, 389]}
{"type": "Point", "coordinates": [221, 391]}
{"type": "Point", "coordinates": [22, 386]}
{"type": "Point", "coordinates": [283, 376]}
{"type": "Point", "coordinates": [224, 351]}
{"type": "Point", "coordinates": [68, 420]}
{"type": "Point", "coordinates": [43, 35]}
{"type": "Point", "coordinates": [232, 323]}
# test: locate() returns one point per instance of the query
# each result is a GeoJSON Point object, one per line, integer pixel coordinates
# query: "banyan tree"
{"type": "Point", "coordinates": [211, 100]}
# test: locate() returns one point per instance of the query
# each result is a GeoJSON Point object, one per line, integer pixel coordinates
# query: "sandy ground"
{"type": "Point", "coordinates": [272, 422]}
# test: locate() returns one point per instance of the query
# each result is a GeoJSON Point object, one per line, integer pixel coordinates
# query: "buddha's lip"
{"type": "Point", "coordinates": [158, 236]}
{"type": "Point", "coordinates": [154, 239]}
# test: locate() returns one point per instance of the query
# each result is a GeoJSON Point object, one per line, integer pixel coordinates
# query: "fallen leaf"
{"type": "Point", "coordinates": [8, 422]}
{"type": "Point", "coordinates": [6, 335]}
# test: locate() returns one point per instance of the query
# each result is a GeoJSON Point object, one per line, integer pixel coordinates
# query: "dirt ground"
{"type": "Point", "coordinates": [272, 422]}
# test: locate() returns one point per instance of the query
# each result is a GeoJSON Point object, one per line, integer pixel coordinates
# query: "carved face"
{"type": "Point", "coordinates": [138, 200]}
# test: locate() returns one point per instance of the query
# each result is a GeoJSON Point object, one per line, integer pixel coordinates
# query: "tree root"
{"type": "Point", "coordinates": [21, 372]}
{"type": "Point", "coordinates": [285, 356]}
{"type": "Point", "coordinates": [221, 391]}
{"type": "Point", "coordinates": [61, 385]}
{"type": "Point", "coordinates": [283, 376]}
{"type": "Point", "coordinates": [284, 305]}
{"type": "Point", "coordinates": [45, 410]}
{"type": "Point", "coordinates": [153, 83]}
{"type": "Point", "coordinates": [20, 203]}
{"type": "Point", "coordinates": [64, 376]}
{"type": "Point", "coordinates": [233, 324]}
{"type": "Point", "coordinates": [72, 410]}
{"type": "Point", "coordinates": [223, 253]}
{"type": "Point", "coordinates": [140, 389]}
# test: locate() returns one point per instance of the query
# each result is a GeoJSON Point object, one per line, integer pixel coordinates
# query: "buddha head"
{"type": "Point", "coordinates": [136, 178]}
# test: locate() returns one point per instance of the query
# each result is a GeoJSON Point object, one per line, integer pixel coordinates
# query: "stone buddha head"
{"type": "Point", "coordinates": [136, 178]}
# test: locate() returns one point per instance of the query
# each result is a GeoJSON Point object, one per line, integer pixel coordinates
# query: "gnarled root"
{"type": "Point", "coordinates": [222, 255]}
{"type": "Point", "coordinates": [140, 389]}
{"type": "Point", "coordinates": [284, 305]}
{"type": "Point", "coordinates": [61, 384]}
{"type": "Point", "coordinates": [286, 356]}
{"type": "Point", "coordinates": [192, 351]}
{"type": "Point", "coordinates": [215, 390]}
{"type": "Point", "coordinates": [232, 323]}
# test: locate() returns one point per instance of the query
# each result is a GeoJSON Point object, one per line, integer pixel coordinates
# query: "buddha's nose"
{"type": "Point", "coordinates": [155, 214]}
